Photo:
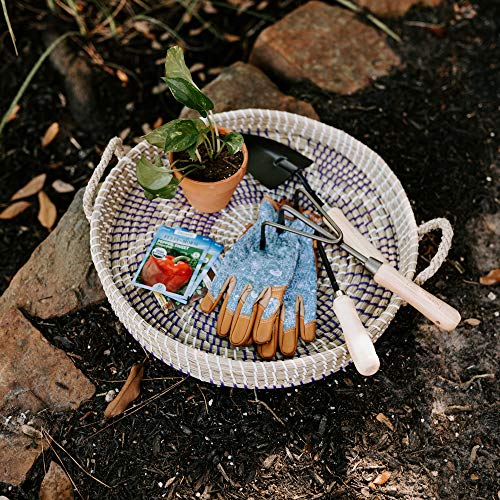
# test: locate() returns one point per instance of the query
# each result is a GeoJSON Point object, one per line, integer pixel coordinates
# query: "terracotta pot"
{"type": "Point", "coordinates": [210, 197]}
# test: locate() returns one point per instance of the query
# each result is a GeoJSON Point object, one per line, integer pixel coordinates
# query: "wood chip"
{"type": "Point", "coordinates": [62, 187]}
{"type": "Point", "coordinates": [382, 478]}
{"type": "Point", "coordinates": [269, 461]}
{"type": "Point", "coordinates": [34, 185]}
{"type": "Point", "coordinates": [14, 210]}
{"type": "Point", "coordinates": [50, 134]}
{"type": "Point", "coordinates": [122, 76]}
{"type": "Point", "coordinates": [47, 213]}
{"type": "Point", "coordinates": [13, 115]}
{"type": "Point", "coordinates": [472, 321]}
{"type": "Point", "coordinates": [492, 278]}
{"type": "Point", "coordinates": [384, 420]}
{"type": "Point", "coordinates": [130, 390]}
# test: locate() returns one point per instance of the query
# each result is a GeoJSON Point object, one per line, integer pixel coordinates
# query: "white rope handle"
{"type": "Point", "coordinates": [114, 147]}
{"type": "Point", "coordinates": [442, 252]}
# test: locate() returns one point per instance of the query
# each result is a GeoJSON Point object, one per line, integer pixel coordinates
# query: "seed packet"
{"type": "Point", "coordinates": [199, 290]}
{"type": "Point", "coordinates": [172, 262]}
{"type": "Point", "coordinates": [213, 254]}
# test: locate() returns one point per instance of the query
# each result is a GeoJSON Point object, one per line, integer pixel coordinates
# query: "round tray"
{"type": "Point", "coordinates": [345, 173]}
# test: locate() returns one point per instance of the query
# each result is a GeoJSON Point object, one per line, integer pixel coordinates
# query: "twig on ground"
{"type": "Point", "coordinates": [51, 440]}
{"type": "Point", "coordinates": [136, 408]}
{"type": "Point", "coordinates": [269, 409]}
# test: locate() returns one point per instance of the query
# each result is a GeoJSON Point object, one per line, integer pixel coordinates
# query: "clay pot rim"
{"type": "Point", "coordinates": [222, 181]}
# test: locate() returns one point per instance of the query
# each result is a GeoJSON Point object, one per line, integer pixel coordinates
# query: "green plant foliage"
{"type": "Point", "coordinates": [156, 180]}
{"type": "Point", "coordinates": [186, 93]}
{"type": "Point", "coordinates": [183, 135]}
{"type": "Point", "coordinates": [233, 142]}
{"type": "Point", "coordinates": [175, 66]}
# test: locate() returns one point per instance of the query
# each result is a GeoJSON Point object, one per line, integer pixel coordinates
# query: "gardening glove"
{"type": "Point", "coordinates": [254, 282]}
{"type": "Point", "coordinates": [298, 312]}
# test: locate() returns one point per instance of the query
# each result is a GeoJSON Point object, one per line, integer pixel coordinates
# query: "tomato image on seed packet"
{"type": "Point", "coordinates": [172, 262]}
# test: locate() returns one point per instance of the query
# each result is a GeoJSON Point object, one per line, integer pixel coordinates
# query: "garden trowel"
{"type": "Point", "coordinates": [272, 163]}
{"type": "Point", "coordinates": [263, 158]}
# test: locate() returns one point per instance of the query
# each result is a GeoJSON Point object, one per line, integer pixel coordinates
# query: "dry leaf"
{"type": "Point", "coordinates": [492, 278]}
{"type": "Point", "coordinates": [47, 213]}
{"type": "Point", "coordinates": [231, 38]}
{"type": "Point", "coordinates": [130, 390]}
{"type": "Point", "coordinates": [472, 321]}
{"type": "Point", "coordinates": [196, 67]}
{"type": "Point", "coordinates": [62, 187]}
{"type": "Point", "coordinates": [56, 485]}
{"type": "Point", "coordinates": [14, 210]}
{"type": "Point", "coordinates": [50, 134]}
{"type": "Point", "coordinates": [382, 478]}
{"type": "Point", "coordinates": [384, 420]}
{"type": "Point", "coordinates": [33, 186]}
{"type": "Point", "coordinates": [122, 76]}
{"type": "Point", "coordinates": [13, 115]}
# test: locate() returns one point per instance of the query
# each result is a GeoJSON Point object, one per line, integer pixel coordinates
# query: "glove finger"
{"type": "Point", "coordinates": [225, 314]}
{"type": "Point", "coordinates": [267, 309]}
{"type": "Point", "coordinates": [242, 322]}
{"type": "Point", "coordinates": [268, 351]}
{"type": "Point", "coordinates": [307, 332]}
{"type": "Point", "coordinates": [287, 339]}
{"type": "Point", "coordinates": [209, 302]}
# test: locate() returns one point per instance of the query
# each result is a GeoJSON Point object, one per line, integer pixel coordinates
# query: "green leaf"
{"type": "Point", "coordinates": [180, 134]}
{"type": "Point", "coordinates": [175, 66]}
{"type": "Point", "coordinates": [186, 93]}
{"type": "Point", "coordinates": [233, 141]}
{"type": "Point", "coordinates": [174, 136]}
{"type": "Point", "coordinates": [156, 181]}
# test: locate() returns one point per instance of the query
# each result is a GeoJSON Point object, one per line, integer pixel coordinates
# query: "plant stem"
{"type": "Point", "coordinates": [197, 153]}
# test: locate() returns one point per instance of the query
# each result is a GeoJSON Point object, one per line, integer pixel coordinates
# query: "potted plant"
{"type": "Point", "coordinates": [207, 161]}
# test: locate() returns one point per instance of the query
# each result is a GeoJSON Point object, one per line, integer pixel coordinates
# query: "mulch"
{"type": "Point", "coordinates": [435, 123]}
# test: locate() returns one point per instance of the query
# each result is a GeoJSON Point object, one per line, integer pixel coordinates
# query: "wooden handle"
{"type": "Point", "coordinates": [439, 312]}
{"type": "Point", "coordinates": [358, 341]}
{"type": "Point", "coordinates": [352, 236]}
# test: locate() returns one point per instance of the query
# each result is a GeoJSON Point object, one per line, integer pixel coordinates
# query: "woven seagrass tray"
{"type": "Point", "coordinates": [345, 173]}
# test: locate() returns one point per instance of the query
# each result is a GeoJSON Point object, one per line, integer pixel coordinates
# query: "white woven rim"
{"type": "Point", "coordinates": [249, 374]}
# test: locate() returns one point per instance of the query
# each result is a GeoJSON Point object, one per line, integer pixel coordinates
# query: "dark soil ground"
{"type": "Point", "coordinates": [435, 122]}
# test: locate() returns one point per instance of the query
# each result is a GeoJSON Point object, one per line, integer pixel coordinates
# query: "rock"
{"type": "Point", "coordinates": [78, 81]}
{"type": "Point", "coordinates": [326, 45]}
{"type": "Point", "coordinates": [394, 8]}
{"type": "Point", "coordinates": [59, 277]}
{"type": "Point", "coordinates": [17, 455]}
{"type": "Point", "coordinates": [34, 376]}
{"type": "Point", "coordinates": [56, 484]}
{"type": "Point", "coordinates": [244, 86]}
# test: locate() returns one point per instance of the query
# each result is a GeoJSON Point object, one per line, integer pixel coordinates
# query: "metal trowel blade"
{"type": "Point", "coordinates": [264, 156]}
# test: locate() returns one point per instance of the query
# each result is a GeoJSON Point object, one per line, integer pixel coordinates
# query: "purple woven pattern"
{"type": "Point", "coordinates": [345, 174]}
{"type": "Point", "coordinates": [338, 181]}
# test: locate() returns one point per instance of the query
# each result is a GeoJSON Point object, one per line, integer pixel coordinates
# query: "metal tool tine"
{"type": "Point", "coordinates": [308, 222]}
{"type": "Point", "coordinates": [319, 208]}
{"type": "Point", "coordinates": [282, 228]}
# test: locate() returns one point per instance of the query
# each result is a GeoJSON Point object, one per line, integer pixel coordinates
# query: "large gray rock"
{"type": "Point", "coordinates": [34, 376]}
{"type": "Point", "coordinates": [59, 277]}
{"type": "Point", "coordinates": [326, 45]}
{"type": "Point", "coordinates": [244, 86]}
